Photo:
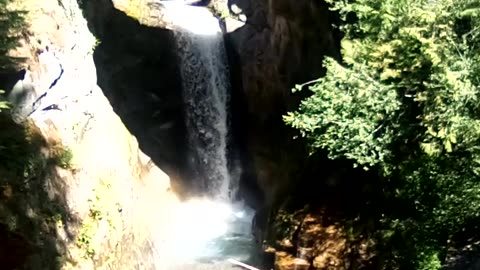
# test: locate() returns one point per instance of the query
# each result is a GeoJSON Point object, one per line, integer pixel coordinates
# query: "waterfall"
{"type": "Point", "coordinates": [205, 86]}
{"type": "Point", "coordinates": [205, 232]}
{"type": "Point", "coordinates": [205, 80]}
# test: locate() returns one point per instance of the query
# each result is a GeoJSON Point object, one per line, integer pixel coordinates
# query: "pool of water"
{"type": "Point", "coordinates": [206, 234]}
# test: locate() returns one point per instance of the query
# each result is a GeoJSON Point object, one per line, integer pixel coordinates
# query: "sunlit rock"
{"type": "Point", "coordinates": [284, 261]}
{"type": "Point", "coordinates": [93, 208]}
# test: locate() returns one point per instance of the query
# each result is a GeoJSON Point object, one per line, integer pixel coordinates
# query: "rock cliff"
{"type": "Point", "coordinates": [82, 194]}
{"type": "Point", "coordinates": [282, 43]}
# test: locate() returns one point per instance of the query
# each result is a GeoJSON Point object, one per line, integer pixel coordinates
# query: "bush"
{"type": "Point", "coordinates": [405, 102]}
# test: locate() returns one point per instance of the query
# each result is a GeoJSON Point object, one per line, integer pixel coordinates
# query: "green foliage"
{"type": "Point", "coordinates": [101, 209]}
{"type": "Point", "coordinates": [3, 104]}
{"type": "Point", "coordinates": [18, 148]}
{"type": "Point", "coordinates": [12, 23]}
{"type": "Point", "coordinates": [85, 238]}
{"type": "Point", "coordinates": [90, 226]}
{"type": "Point", "coordinates": [405, 102]}
{"type": "Point", "coordinates": [286, 223]}
{"type": "Point", "coordinates": [219, 9]}
{"type": "Point", "coordinates": [64, 158]}
{"type": "Point", "coordinates": [27, 182]}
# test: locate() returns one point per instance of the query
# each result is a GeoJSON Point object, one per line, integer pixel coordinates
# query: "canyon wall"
{"type": "Point", "coordinates": [281, 43]}
{"type": "Point", "coordinates": [76, 192]}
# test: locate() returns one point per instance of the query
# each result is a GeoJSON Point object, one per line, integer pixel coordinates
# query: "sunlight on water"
{"type": "Point", "coordinates": [196, 228]}
{"type": "Point", "coordinates": [194, 224]}
{"type": "Point", "coordinates": [197, 20]}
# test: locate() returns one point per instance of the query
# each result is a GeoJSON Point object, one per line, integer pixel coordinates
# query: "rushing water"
{"type": "Point", "coordinates": [205, 81]}
{"type": "Point", "coordinates": [207, 232]}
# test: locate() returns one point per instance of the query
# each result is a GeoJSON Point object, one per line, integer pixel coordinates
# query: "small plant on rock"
{"type": "Point", "coordinates": [64, 158]}
{"type": "Point", "coordinates": [3, 104]}
{"type": "Point", "coordinates": [219, 9]}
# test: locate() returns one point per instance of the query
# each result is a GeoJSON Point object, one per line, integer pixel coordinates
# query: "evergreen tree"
{"type": "Point", "coordinates": [405, 102]}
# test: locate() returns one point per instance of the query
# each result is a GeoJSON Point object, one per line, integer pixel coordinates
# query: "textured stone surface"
{"type": "Point", "coordinates": [281, 44]}
{"type": "Point", "coordinates": [285, 261]}
{"type": "Point", "coordinates": [317, 240]}
{"type": "Point", "coordinates": [109, 174]}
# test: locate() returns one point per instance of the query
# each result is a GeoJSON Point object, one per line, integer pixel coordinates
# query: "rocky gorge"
{"type": "Point", "coordinates": [102, 79]}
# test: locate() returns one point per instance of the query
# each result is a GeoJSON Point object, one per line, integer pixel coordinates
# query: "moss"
{"type": "Point", "coordinates": [102, 209]}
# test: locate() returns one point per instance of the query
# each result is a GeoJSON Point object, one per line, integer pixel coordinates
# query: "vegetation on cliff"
{"type": "Point", "coordinates": [30, 208]}
{"type": "Point", "coordinates": [12, 23]}
{"type": "Point", "coordinates": [404, 102]}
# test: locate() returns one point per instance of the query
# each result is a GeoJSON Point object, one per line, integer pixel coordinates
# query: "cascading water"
{"type": "Point", "coordinates": [206, 232]}
{"type": "Point", "coordinates": [205, 86]}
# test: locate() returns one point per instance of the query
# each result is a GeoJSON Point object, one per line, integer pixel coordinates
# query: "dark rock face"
{"type": "Point", "coordinates": [281, 44]}
{"type": "Point", "coordinates": [137, 69]}
{"type": "Point", "coordinates": [14, 250]}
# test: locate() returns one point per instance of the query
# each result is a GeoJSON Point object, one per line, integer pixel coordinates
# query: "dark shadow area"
{"type": "Point", "coordinates": [337, 183]}
{"type": "Point", "coordinates": [197, 3]}
{"type": "Point", "coordinates": [201, 3]}
{"type": "Point", "coordinates": [249, 191]}
{"type": "Point", "coordinates": [8, 78]}
{"type": "Point", "coordinates": [13, 24]}
{"type": "Point", "coordinates": [272, 161]}
{"type": "Point", "coordinates": [347, 197]}
{"type": "Point", "coordinates": [137, 69]}
{"type": "Point", "coordinates": [33, 207]}
{"type": "Point", "coordinates": [335, 212]}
